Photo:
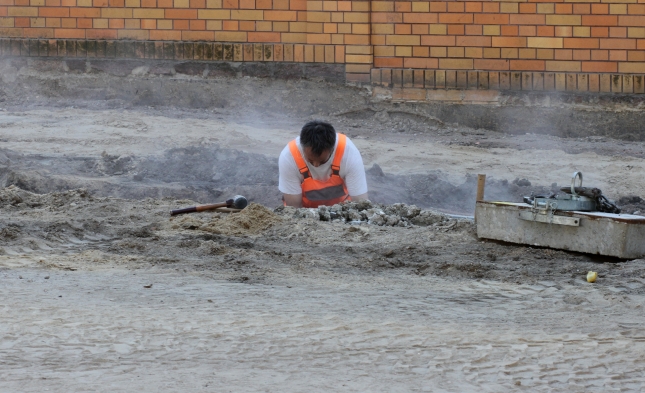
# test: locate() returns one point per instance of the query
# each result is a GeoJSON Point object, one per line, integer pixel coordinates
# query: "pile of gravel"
{"type": "Point", "coordinates": [398, 214]}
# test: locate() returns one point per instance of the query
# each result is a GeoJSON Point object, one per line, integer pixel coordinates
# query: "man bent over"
{"type": "Point", "coordinates": [321, 167]}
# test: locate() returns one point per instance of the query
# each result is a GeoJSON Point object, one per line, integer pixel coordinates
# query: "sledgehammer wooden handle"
{"type": "Point", "coordinates": [199, 208]}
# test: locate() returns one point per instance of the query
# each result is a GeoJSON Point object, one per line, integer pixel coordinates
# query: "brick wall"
{"type": "Point", "coordinates": [577, 45]}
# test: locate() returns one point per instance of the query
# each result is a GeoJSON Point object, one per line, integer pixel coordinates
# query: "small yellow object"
{"type": "Point", "coordinates": [591, 276]}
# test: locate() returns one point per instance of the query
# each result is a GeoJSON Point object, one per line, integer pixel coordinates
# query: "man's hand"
{"type": "Point", "coordinates": [294, 200]}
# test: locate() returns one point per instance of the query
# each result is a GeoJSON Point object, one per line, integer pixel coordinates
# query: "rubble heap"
{"type": "Point", "coordinates": [398, 214]}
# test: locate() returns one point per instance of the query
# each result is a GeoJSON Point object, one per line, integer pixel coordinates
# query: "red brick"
{"type": "Point", "coordinates": [618, 32]}
{"type": "Point", "coordinates": [419, 17]}
{"type": "Point", "coordinates": [601, 9]}
{"type": "Point", "coordinates": [84, 23]}
{"type": "Point", "coordinates": [528, 8]}
{"type": "Point", "coordinates": [455, 18]}
{"type": "Point", "coordinates": [596, 66]}
{"type": "Point", "coordinates": [599, 55]}
{"type": "Point", "coordinates": [415, 62]}
{"type": "Point", "coordinates": [197, 25]}
{"type": "Point", "coordinates": [387, 17]}
{"type": "Point", "coordinates": [581, 9]}
{"type": "Point", "coordinates": [84, 12]}
{"type": "Point", "coordinates": [581, 54]}
{"type": "Point", "coordinates": [69, 33]}
{"type": "Point", "coordinates": [101, 34]}
{"type": "Point", "coordinates": [456, 30]}
{"type": "Point", "coordinates": [600, 32]}
{"type": "Point", "coordinates": [181, 14]}
{"type": "Point", "coordinates": [53, 12]}
{"type": "Point", "coordinates": [591, 43]}
{"type": "Point", "coordinates": [616, 43]}
{"type": "Point", "coordinates": [491, 64]}
{"type": "Point", "coordinates": [527, 65]}
{"type": "Point", "coordinates": [600, 20]}
{"type": "Point", "coordinates": [491, 19]}
{"type": "Point", "coordinates": [388, 62]}
{"type": "Point", "coordinates": [473, 6]}
{"type": "Point", "coordinates": [438, 40]}
{"type": "Point", "coordinates": [509, 31]}
{"type": "Point", "coordinates": [563, 8]}
{"type": "Point", "coordinates": [546, 31]}
{"type": "Point", "coordinates": [509, 42]}
{"type": "Point", "coordinates": [490, 7]}
{"type": "Point", "coordinates": [473, 41]}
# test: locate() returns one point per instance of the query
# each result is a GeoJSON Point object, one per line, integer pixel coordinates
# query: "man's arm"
{"type": "Point", "coordinates": [294, 200]}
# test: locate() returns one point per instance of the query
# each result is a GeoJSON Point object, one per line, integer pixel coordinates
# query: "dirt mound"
{"type": "Point", "coordinates": [253, 220]}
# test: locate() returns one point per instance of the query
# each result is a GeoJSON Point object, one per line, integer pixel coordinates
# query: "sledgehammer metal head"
{"type": "Point", "coordinates": [237, 202]}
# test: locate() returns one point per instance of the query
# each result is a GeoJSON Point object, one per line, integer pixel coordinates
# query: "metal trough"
{"type": "Point", "coordinates": [616, 235]}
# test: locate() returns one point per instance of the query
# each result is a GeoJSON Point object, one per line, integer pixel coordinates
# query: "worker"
{"type": "Point", "coordinates": [321, 167]}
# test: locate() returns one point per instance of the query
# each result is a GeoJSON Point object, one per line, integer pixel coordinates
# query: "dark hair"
{"type": "Point", "coordinates": [318, 135]}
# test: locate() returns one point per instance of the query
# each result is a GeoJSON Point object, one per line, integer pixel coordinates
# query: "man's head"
{"type": "Point", "coordinates": [317, 139]}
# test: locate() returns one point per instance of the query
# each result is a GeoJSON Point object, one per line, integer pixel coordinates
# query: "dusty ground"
{"type": "Point", "coordinates": [102, 291]}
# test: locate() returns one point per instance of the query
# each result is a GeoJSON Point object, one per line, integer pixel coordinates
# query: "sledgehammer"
{"type": "Point", "coordinates": [237, 202]}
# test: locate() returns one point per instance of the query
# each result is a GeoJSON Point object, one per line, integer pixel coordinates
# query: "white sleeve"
{"type": "Point", "coordinates": [289, 182]}
{"type": "Point", "coordinates": [354, 170]}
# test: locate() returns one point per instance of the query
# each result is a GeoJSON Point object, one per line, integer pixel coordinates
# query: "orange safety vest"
{"type": "Point", "coordinates": [322, 193]}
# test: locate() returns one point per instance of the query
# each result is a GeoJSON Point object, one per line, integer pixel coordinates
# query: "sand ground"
{"type": "Point", "coordinates": [101, 290]}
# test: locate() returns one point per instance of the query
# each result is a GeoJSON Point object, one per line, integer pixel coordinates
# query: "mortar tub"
{"type": "Point", "coordinates": [616, 235]}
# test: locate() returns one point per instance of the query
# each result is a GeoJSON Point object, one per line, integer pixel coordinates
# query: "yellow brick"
{"type": "Point", "coordinates": [314, 5]}
{"type": "Point", "coordinates": [382, 6]}
{"type": "Point", "coordinates": [22, 11]}
{"type": "Point", "coordinates": [337, 17]}
{"type": "Point", "coordinates": [455, 52]}
{"type": "Point", "coordinates": [566, 20]}
{"type": "Point", "coordinates": [247, 14]}
{"type": "Point", "coordinates": [132, 24]}
{"type": "Point", "coordinates": [572, 66]}
{"type": "Point", "coordinates": [280, 26]}
{"type": "Point", "coordinates": [491, 53]}
{"type": "Point", "coordinates": [230, 36]}
{"type": "Point", "coordinates": [364, 59]}
{"type": "Point", "coordinates": [6, 22]}
{"type": "Point", "coordinates": [148, 13]}
{"type": "Point", "coordinates": [382, 28]}
{"type": "Point", "coordinates": [100, 23]}
{"type": "Point", "coordinates": [403, 51]}
{"type": "Point", "coordinates": [330, 6]}
{"type": "Point", "coordinates": [294, 38]}
{"type": "Point", "coordinates": [509, 8]}
{"type": "Point", "coordinates": [359, 28]}
{"type": "Point", "coordinates": [384, 51]}
{"type": "Point", "coordinates": [116, 13]}
{"type": "Point", "coordinates": [438, 29]}
{"type": "Point", "coordinates": [344, 28]}
{"type": "Point", "coordinates": [298, 27]}
{"type": "Point", "coordinates": [544, 42]}
{"type": "Point", "coordinates": [403, 40]}
{"type": "Point", "coordinates": [84, 3]}
{"type": "Point", "coordinates": [315, 28]}
{"type": "Point", "coordinates": [582, 31]}
{"type": "Point", "coordinates": [361, 6]}
{"type": "Point", "coordinates": [632, 67]}
{"type": "Point", "coordinates": [508, 53]}
{"type": "Point", "coordinates": [319, 17]}
{"type": "Point", "coordinates": [357, 17]}
{"type": "Point", "coordinates": [492, 30]}
{"type": "Point", "coordinates": [133, 34]}
{"type": "Point", "coordinates": [358, 68]}
{"type": "Point", "coordinates": [544, 54]}
{"type": "Point", "coordinates": [263, 26]}
{"type": "Point", "coordinates": [358, 49]}
{"type": "Point", "coordinates": [525, 53]}
{"type": "Point", "coordinates": [133, 3]}
{"type": "Point", "coordinates": [546, 8]}
{"type": "Point", "coordinates": [210, 24]}
{"type": "Point", "coordinates": [474, 53]}
{"type": "Point", "coordinates": [164, 24]}
{"type": "Point", "coordinates": [213, 3]}
{"type": "Point", "coordinates": [35, 22]}
{"type": "Point", "coordinates": [181, 3]}
{"type": "Point", "coordinates": [618, 9]}
{"type": "Point", "coordinates": [337, 39]}
{"type": "Point", "coordinates": [420, 6]}
{"type": "Point", "coordinates": [636, 32]}
{"type": "Point", "coordinates": [456, 64]}
{"type": "Point", "coordinates": [34, 3]}
{"type": "Point", "coordinates": [438, 51]}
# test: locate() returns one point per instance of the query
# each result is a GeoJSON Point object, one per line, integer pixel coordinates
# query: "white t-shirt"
{"type": "Point", "coordinates": [351, 170]}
